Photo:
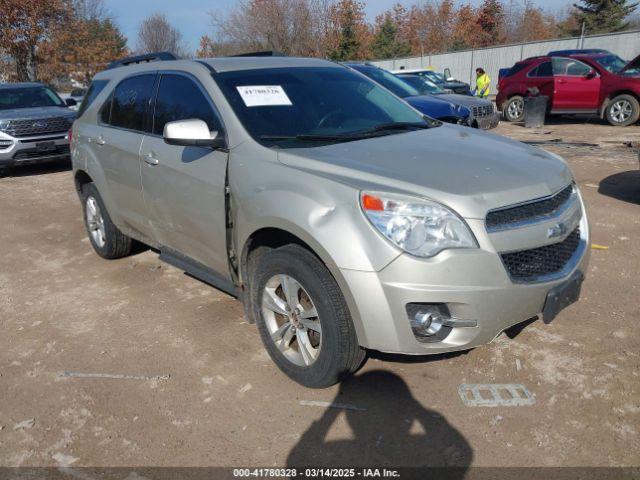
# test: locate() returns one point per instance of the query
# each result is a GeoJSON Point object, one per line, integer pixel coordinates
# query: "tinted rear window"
{"type": "Point", "coordinates": [131, 102]}
{"type": "Point", "coordinates": [94, 90]}
{"type": "Point", "coordinates": [515, 69]}
{"type": "Point", "coordinates": [543, 70]}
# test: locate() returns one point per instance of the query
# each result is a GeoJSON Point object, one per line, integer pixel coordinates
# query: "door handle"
{"type": "Point", "coordinates": [150, 159]}
{"type": "Point", "coordinates": [100, 141]}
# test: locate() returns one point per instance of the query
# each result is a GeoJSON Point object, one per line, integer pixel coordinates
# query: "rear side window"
{"type": "Point", "coordinates": [543, 70]}
{"type": "Point", "coordinates": [179, 98]}
{"type": "Point", "coordinates": [130, 102]}
{"type": "Point", "coordinates": [515, 69]}
{"type": "Point", "coordinates": [94, 90]}
{"type": "Point", "coordinates": [569, 67]}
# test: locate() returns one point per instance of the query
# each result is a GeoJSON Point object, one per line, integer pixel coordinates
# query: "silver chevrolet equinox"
{"type": "Point", "coordinates": [342, 218]}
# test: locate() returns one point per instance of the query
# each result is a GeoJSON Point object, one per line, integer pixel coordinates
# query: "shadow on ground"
{"type": "Point", "coordinates": [394, 430]}
{"type": "Point", "coordinates": [36, 169]}
{"type": "Point", "coordinates": [624, 186]}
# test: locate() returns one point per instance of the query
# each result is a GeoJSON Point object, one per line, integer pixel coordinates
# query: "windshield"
{"type": "Point", "coordinates": [304, 107]}
{"type": "Point", "coordinates": [422, 84]}
{"type": "Point", "coordinates": [388, 80]}
{"type": "Point", "coordinates": [613, 64]}
{"type": "Point", "coordinates": [29, 97]}
{"type": "Point", "coordinates": [433, 76]}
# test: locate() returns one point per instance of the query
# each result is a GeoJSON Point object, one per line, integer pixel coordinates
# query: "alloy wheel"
{"type": "Point", "coordinates": [95, 222]}
{"type": "Point", "coordinates": [621, 111]}
{"type": "Point", "coordinates": [515, 109]}
{"type": "Point", "coordinates": [292, 320]}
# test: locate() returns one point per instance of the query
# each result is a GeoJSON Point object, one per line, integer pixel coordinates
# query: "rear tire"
{"type": "Point", "coordinates": [623, 110]}
{"type": "Point", "coordinates": [105, 238]}
{"type": "Point", "coordinates": [303, 319]}
{"type": "Point", "coordinates": [514, 109]}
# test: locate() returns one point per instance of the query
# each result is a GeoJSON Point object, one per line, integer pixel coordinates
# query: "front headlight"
{"type": "Point", "coordinates": [418, 226]}
{"type": "Point", "coordinates": [4, 124]}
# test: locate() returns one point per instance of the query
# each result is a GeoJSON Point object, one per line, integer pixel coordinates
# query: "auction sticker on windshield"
{"type": "Point", "coordinates": [263, 95]}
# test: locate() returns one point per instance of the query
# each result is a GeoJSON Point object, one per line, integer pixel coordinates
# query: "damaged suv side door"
{"type": "Point", "coordinates": [184, 187]}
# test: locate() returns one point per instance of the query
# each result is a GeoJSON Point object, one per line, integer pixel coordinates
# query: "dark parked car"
{"type": "Point", "coordinates": [582, 83]}
{"type": "Point", "coordinates": [439, 79]}
{"type": "Point", "coordinates": [34, 122]}
{"type": "Point", "coordinates": [431, 106]}
{"type": "Point", "coordinates": [483, 113]}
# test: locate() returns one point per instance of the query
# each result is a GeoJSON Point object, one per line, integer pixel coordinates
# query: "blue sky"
{"type": "Point", "coordinates": [192, 19]}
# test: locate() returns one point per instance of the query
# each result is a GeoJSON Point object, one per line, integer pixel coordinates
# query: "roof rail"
{"type": "Point", "coordinates": [147, 57]}
{"type": "Point", "coordinates": [266, 53]}
{"type": "Point", "coordinates": [586, 51]}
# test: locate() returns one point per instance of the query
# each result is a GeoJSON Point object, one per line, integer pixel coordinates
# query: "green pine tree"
{"type": "Point", "coordinates": [349, 45]}
{"type": "Point", "coordinates": [386, 43]}
{"type": "Point", "coordinates": [602, 16]}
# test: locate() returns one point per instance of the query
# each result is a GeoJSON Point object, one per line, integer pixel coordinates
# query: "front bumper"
{"type": "Point", "coordinates": [485, 123]}
{"type": "Point", "coordinates": [472, 283]}
{"type": "Point", "coordinates": [36, 149]}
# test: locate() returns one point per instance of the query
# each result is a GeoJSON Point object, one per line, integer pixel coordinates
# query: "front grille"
{"type": "Point", "coordinates": [529, 212]}
{"type": "Point", "coordinates": [482, 111]}
{"type": "Point", "coordinates": [527, 265]}
{"type": "Point", "coordinates": [4, 144]}
{"type": "Point", "coordinates": [37, 126]}
{"type": "Point", "coordinates": [30, 153]}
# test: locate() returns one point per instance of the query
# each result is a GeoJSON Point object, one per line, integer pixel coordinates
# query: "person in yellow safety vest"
{"type": "Point", "coordinates": [483, 82]}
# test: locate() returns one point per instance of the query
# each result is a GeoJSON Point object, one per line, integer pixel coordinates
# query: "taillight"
{"type": "Point", "coordinates": [70, 134]}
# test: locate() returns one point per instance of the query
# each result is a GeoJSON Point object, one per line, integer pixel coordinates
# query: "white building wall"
{"type": "Point", "coordinates": [464, 63]}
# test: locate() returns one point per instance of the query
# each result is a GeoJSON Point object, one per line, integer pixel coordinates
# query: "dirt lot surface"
{"type": "Point", "coordinates": [131, 362]}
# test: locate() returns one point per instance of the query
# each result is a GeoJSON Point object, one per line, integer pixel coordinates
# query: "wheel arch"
{"type": "Point", "coordinates": [269, 237]}
{"type": "Point", "coordinates": [80, 179]}
{"type": "Point", "coordinates": [614, 94]}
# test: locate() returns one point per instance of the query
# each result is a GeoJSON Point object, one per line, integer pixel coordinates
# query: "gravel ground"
{"type": "Point", "coordinates": [131, 362]}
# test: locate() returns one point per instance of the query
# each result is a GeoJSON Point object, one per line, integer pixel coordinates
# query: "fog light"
{"type": "Point", "coordinates": [426, 324]}
{"type": "Point", "coordinates": [430, 322]}
{"type": "Point", "coordinates": [426, 321]}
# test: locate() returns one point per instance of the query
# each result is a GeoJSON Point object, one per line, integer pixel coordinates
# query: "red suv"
{"type": "Point", "coordinates": [577, 83]}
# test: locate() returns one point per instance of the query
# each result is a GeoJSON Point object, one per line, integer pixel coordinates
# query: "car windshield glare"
{"type": "Point", "coordinates": [388, 80]}
{"type": "Point", "coordinates": [422, 84]}
{"type": "Point", "coordinates": [311, 106]}
{"type": "Point", "coordinates": [613, 64]}
{"type": "Point", "coordinates": [28, 97]}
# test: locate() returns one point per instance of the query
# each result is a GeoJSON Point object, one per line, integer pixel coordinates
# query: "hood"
{"type": "Point", "coordinates": [466, 100]}
{"type": "Point", "coordinates": [37, 112]}
{"type": "Point", "coordinates": [435, 107]}
{"type": "Point", "coordinates": [635, 63]}
{"type": "Point", "coordinates": [468, 170]}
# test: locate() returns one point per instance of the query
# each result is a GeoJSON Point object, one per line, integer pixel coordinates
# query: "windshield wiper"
{"type": "Point", "coordinates": [346, 137]}
{"type": "Point", "coordinates": [395, 126]}
{"type": "Point", "coordinates": [310, 137]}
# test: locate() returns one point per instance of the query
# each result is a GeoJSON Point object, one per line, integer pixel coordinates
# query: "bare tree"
{"type": "Point", "coordinates": [91, 10]}
{"type": "Point", "coordinates": [294, 27]}
{"type": "Point", "coordinates": [156, 34]}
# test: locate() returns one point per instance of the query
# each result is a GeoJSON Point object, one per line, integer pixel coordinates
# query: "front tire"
{"type": "Point", "coordinates": [105, 238]}
{"type": "Point", "coordinates": [303, 319]}
{"type": "Point", "coordinates": [623, 110]}
{"type": "Point", "coordinates": [514, 109]}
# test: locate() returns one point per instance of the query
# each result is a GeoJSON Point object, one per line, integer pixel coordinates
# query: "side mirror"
{"type": "Point", "coordinates": [591, 74]}
{"type": "Point", "coordinates": [71, 102]}
{"type": "Point", "coordinates": [192, 133]}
